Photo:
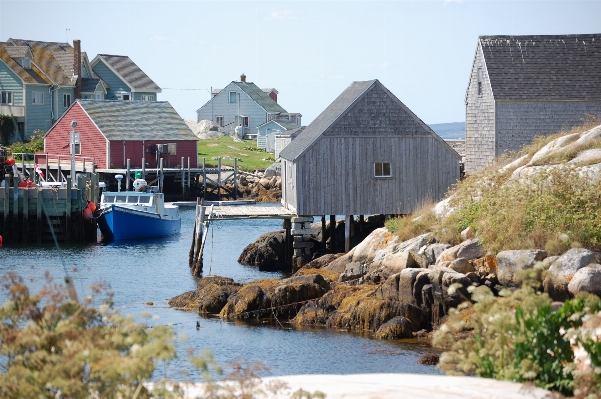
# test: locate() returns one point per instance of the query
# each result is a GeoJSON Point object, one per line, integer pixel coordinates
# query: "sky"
{"type": "Point", "coordinates": [310, 51]}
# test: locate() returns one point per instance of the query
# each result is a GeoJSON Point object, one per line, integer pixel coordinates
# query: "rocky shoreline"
{"type": "Point", "coordinates": [389, 288]}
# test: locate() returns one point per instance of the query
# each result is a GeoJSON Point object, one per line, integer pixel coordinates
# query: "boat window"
{"type": "Point", "coordinates": [144, 200]}
{"type": "Point", "coordinates": [109, 199]}
{"type": "Point", "coordinates": [132, 199]}
{"type": "Point", "coordinates": [120, 199]}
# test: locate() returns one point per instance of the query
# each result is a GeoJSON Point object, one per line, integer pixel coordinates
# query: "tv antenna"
{"type": "Point", "coordinates": [67, 34]}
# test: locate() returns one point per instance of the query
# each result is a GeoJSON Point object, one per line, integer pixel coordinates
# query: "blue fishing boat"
{"type": "Point", "coordinates": [131, 215]}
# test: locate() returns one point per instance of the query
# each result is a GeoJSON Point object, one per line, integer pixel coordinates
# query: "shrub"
{"type": "Point", "coordinates": [517, 336]}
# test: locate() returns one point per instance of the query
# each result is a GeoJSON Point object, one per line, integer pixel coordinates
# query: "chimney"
{"type": "Point", "coordinates": [77, 66]}
{"type": "Point", "coordinates": [243, 78]}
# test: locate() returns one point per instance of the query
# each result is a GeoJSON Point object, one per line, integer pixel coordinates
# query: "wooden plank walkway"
{"type": "Point", "coordinates": [248, 212]}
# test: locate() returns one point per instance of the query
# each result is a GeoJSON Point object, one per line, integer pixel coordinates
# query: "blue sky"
{"type": "Point", "coordinates": [310, 51]}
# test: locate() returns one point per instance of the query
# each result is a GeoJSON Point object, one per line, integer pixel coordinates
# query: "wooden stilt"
{"type": "Point", "coordinates": [25, 192]}
{"type": "Point", "coordinates": [219, 178]}
{"type": "Point", "coordinates": [347, 233]}
{"type": "Point", "coordinates": [332, 231]}
{"type": "Point", "coordinates": [39, 225]}
{"type": "Point", "coordinates": [323, 232]}
{"type": "Point", "coordinates": [204, 178]}
{"type": "Point", "coordinates": [67, 231]}
{"type": "Point", "coordinates": [143, 168]}
{"type": "Point", "coordinates": [235, 178]}
{"type": "Point", "coordinates": [183, 180]}
{"type": "Point", "coordinates": [127, 176]}
{"type": "Point", "coordinates": [288, 242]}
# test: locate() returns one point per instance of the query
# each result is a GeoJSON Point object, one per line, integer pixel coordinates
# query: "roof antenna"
{"type": "Point", "coordinates": [67, 34]}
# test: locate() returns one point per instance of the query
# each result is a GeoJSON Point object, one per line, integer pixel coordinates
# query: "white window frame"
{"type": "Point", "coordinates": [219, 120]}
{"type": "Point", "coordinates": [75, 147]}
{"type": "Point", "coordinates": [37, 97]}
{"type": "Point", "coordinates": [123, 94]}
{"type": "Point", "coordinates": [480, 79]}
{"type": "Point", "coordinates": [235, 97]}
{"type": "Point", "coordinates": [6, 97]}
{"type": "Point", "coordinates": [147, 97]}
{"type": "Point", "coordinates": [97, 96]}
{"type": "Point", "coordinates": [26, 63]}
{"type": "Point", "coordinates": [380, 170]}
{"type": "Point", "coordinates": [245, 121]}
{"type": "Point", "coordinates": [66, 100]}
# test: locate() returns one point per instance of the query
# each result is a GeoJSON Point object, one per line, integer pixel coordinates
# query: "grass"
{"type": "Point", "coordinates": [250, 158]}
{"type": "Point", "coordinates": [555, 209]}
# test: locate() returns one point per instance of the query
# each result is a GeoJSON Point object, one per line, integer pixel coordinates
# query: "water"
{"type": "Point", "coordinates": [156, 270]}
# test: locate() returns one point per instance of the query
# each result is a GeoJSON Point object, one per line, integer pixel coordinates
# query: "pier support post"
{"type": "Point", "coordinates": [287, 242]}
{"type": "Point", "coordinates": [323, 232]}
{"type": "Point", "coordinates": [332, 232]}
{"type": "Point", "coordinates": [219, 178]}
{"type": "Point", "coordinates": [161, 176]}
{"type": "Point", "coordinates": [39, 226]}
{"type": "Point", "coordinates": [347, 233]}
{"type": "Point", "coordinates": [183, 180]}
{"type": "Point", "coordinates": [127, 175]}
{"type": "Point", "coordinates": [204, 178]}
{"type": "Point", "coordinates": [302, 244]}
{"type": "Point", "coordinates": [143, 168]}
{"type": "Point", "coordinates": [235, 178]}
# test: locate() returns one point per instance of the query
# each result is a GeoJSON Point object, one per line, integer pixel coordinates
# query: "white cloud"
{"type": "Point", "coordinates": [283, 15]}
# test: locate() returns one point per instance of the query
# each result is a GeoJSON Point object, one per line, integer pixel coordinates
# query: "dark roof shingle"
{"type": "Point", "coordinates": [137, 120]}
{"type": "Point", "coordinates": [259, 96]}
{"type": "Point", "coordinates": [537, 68]}
{"type": "Point", "coordinates": [130, 72]}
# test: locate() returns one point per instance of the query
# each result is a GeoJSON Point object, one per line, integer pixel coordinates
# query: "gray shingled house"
{"type": "Point", "coordinates": [525, 86]}
{"type": "Point", "coordinates": [366, 153]}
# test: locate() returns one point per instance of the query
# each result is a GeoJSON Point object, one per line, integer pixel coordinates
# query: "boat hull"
{"type": "Point", "coordinates": [117, 223]}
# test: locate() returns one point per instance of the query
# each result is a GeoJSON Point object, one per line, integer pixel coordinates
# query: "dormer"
{"type": "Point", "coordinates": [21, 54]}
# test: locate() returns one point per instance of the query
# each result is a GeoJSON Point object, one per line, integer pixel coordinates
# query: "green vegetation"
{"type": "Point", "coordinates": [520, 337]}
{"type": "Point", "coordinates": [7, 128]}
{"type": "Point", "coordinates": [556, 209]}
{"type": "Point", "coordinates": [54, 346]}
{"type": "Point", "coordinates": [250, 158]}
{"type": "Point", "coordinates": [33, 145]}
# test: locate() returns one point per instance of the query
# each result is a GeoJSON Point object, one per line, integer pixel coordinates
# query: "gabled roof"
{"type": "Point", "coordinates": [19, 52]}
{"type": "Point", "coordinates": [545, 68]}
{"type": "Point", "coordinates": [88, 85]}
{"type": "Point", "coordinates": [127, 71]}
{"type": "Point", "coordinates": [336, 110]}
{"type": "Point", "coordinates": [285, 126]}
{"type": "Point", "coordinates": [260, 97]}
{"type": "Point", "coordinates": [55, 60]}
{"type": "Point", "coordinates": [26, 75]}
{"type": "Point", "coordinates": [293, 133]}
{"type": "Point", "coordinates": [319, 125]}
{"type": "Point", "coordinates": [137, 120]}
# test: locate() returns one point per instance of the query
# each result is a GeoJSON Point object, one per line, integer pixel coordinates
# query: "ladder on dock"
{"type": "Point", "coordinates": [205, 215]}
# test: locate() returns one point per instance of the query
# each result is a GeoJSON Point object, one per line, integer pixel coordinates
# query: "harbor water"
{"type": "Point", "coordinates": [153, 271]}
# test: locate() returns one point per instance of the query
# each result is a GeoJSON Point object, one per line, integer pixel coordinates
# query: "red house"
{"type": "Point", "coordinates": [113, 131]}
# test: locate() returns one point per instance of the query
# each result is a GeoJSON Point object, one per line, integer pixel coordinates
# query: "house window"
{"type": "Point", "coordinates": [479, 81]}
{"type": "Point", "coordinates": [233, 97]}
{"type": "Point", "coordinates": [245, 121]}
{"type": "Point", "coordinates": [26, 63]}
{"type": "Point", "coordinates": [6, 98]}
{"type": "Point", "coordinates": [66, 100]}
{"type": "Point", "coordinates": [125, 96]}
{"type": "Point", "coordinates": [382, 169]}
{"type": "Point", "coordinates": [219, 120]}
{"type": "Point", "coordinates": [97, 96]}
{"type": "Point", "coordinates": [38, 97]}
{"type": "Point", "coordinates": [147, 97]}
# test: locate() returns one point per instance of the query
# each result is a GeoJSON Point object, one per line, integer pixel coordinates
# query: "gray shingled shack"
{"type": "Point", "coordinates": [365, 154]}
{"type": "Point", "coordinates": [525, 86]}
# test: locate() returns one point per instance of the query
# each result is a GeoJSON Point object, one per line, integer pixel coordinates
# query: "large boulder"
{"type": "Point", "coordinates": [396, 328]}
{"type": "Point", "coordinates": [210, 296]}
{"type": "Point", "coordinates": [469, 249]}
{"type": "Point", "coordinates": [509, 263]}
{"type": "Point", "coordinates": [267, 252]}
{"type": "Point", "coordinates": [353, 271]}
{"type": "Point", "coordinates": [562, 271]}
{"type": "Point", "coordinates": [586, 279]}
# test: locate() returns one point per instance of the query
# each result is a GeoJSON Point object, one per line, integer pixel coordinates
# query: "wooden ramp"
{"type": "Point", "coordinates": [247, 212]}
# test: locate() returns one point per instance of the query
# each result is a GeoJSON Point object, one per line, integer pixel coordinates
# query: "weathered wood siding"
{"type": "Point", "coordinates": [517, 123]}
{"type": "Point", "coordinates": [220, 106]}
{"type": "Point", "coordinates": [335, 175]}
{"type": "Point", "coordinates": [480, 147]}
{"type": "Point", "coordinates": [93, 143]}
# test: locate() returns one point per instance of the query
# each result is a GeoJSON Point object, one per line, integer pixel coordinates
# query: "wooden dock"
{"type": "Point", "coordinates": [207, 214]}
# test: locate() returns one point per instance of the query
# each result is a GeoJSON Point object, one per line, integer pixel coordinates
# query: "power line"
{"type": "Point", "coordinates": [175, 88]}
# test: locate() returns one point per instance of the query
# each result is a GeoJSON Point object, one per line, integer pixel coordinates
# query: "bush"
{"type": "Point", "coordinates": [33, 145]}
{"type": "Point", "coordinates": [517, 336]}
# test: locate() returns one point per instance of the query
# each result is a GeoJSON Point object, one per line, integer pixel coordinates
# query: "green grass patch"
{"type": "Point", "coordinates": [250, 158]}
